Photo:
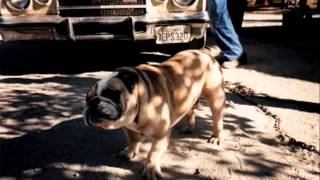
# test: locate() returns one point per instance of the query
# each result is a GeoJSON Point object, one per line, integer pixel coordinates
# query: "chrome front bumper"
{"type": "Point", "coordinates": [97, 28]}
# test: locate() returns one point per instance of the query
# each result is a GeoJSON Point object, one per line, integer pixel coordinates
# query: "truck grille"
{"type": "Point", "coordinates": [82, 8]}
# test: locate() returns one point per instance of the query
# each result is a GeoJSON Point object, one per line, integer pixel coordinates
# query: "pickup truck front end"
{"type": "Point", "coordinates": [164, 21]}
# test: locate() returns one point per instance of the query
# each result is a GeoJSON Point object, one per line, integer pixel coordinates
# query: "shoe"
{"type": "Point", "coordinates": [231, 64]}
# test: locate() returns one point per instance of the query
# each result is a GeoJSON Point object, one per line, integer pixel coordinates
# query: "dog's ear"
{"type": "Point", "coordinates": [128, 76]}
{"type": "Point", "coordinates": [92, 92]}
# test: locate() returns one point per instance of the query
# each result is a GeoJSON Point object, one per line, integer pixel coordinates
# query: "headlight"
{"type": "Point", "coordinates": [18, 5]}
{"type": "Point", "coordinates": [42, 2]}
{"type": "Point", "coordinates": [183, 3]}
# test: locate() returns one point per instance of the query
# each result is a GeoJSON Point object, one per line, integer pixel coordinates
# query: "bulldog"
{"type": "Point", "coordinates": [148, 100]}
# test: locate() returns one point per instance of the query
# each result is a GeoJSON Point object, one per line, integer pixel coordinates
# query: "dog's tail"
{"type": "Point", "coordinates": [213, 51]}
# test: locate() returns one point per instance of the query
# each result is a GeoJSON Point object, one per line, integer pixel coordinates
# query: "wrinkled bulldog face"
{"type": "Point", "coordinates": [113, 101]}
{"type": "Point", "coordinates": [106, 106]}
{"type": "Point", "coordinates": [104, 103]}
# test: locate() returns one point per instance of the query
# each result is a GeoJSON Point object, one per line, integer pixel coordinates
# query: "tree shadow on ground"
{"type": "Point", "coordinates": [69, 142]}
{"type": "Point", "coordinates": [284, 103]}
{"type": "Point", "coordinates": [240, 128]}
{"type": "Point", "coordinates": [267, 100]}
{"type": "Point", "coordinates": [28, 109]}
{"type": "Point", "coordinates": [37, 153]}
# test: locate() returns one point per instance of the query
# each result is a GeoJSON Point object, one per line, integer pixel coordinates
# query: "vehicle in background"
{"type": "Point", "coordinates": [161, 21]}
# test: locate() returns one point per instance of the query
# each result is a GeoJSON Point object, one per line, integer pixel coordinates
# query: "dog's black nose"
{"type": "Point", "coordinates": [102, 108]}
{"type": "Point", "coordinates": [110, 110]}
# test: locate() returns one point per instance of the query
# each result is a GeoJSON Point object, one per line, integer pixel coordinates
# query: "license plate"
{"type": "Point", "coordinates": [173, 34]}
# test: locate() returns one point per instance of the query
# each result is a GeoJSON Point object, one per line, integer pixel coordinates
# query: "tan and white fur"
{"type": "Point", "coordinates": [148, 100]}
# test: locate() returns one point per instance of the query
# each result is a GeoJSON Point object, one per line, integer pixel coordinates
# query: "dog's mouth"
{"type": "Point", "coordinates": [98, 122]}
{"type": "Point", "coordinates": [93, 121]}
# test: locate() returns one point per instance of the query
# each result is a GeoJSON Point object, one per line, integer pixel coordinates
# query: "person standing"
{"type": "Point", "coordinates": [232, 53]}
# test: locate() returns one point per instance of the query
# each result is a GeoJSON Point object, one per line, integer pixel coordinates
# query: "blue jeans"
{"type": "Point", "coordinates": [226, 37]}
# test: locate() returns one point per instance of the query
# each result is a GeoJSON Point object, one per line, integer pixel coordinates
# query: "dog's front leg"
{"type": "Point", "coordinates": [134, 140]}
{"type": "Point", "coordinates": [152, 168]}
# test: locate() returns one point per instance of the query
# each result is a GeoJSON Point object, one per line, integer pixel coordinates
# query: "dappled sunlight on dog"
{"type": "Point", "coordinates": [150, 99]}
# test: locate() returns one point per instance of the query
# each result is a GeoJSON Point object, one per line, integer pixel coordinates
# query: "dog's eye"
{"type": "Point", "coordinates": [112, 94]}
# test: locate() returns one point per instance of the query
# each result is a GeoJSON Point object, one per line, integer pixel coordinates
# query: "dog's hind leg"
{"type": "Point", "coordinates": [215, 96]}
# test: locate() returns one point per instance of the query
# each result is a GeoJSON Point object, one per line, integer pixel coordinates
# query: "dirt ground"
{"type": "Point", "coordinates": [42, 135]}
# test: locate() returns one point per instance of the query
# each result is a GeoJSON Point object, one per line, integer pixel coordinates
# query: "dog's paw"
{"type": "Point", "coordinates": [215, 140]}
{"type": "Point", "coordinates": [151, 172]}
{"type": "Point", "coordinates": [126, 154]}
